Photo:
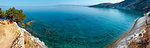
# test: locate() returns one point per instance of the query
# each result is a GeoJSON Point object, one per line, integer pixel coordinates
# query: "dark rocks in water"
{"type": "Point", "coordinates": [32, 32]}
{"type": "Point", "coordinates": [41, 29]}
{"type": "Point", "coordinates": [141, 5]}
{"type": "Point", "coordinates": [47, 31]}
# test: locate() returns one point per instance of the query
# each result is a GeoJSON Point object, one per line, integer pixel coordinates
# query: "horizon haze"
{"type": "Point", "coordinates": [53, 2]}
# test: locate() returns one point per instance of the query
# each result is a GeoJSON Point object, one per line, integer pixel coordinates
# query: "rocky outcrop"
{"type": "Point", "coordinates": [12, 36]}
{"type": "Point", "coordinates": [142, 5]}
{"type": "Point", "coordinates": [139, 36]}
{"type": "Point", "coordinates": [29, 23]}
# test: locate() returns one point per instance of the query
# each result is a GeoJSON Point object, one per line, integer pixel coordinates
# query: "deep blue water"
{"type": "Point", "coordinates": [79, 27]}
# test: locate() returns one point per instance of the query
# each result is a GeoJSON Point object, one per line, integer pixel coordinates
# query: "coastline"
{"type": "Point", "coordinates": [133, 34]}
{"type": "Point", "coordinates": [41, 43]}
{"type": "Point", "coordinates": [116, 41]}
{"type": "Point", "coordinates": [136, 29]}
{"type": "Point", "coordinates": [17, 37]}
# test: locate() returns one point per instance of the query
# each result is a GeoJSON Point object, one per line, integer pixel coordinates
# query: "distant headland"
{"type": "Point", "coordinates": [141, 5]}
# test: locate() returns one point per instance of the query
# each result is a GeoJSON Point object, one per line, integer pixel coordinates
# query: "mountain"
{"type": "Point", "coordinates": [141, 5]}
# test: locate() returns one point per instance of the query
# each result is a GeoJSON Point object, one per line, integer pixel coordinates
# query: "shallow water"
{"type": "Point", "coordinates": [79, 27]}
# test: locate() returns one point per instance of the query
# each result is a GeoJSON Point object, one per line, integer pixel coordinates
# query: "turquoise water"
{"type": "Point", "coordinates": [79, 27]}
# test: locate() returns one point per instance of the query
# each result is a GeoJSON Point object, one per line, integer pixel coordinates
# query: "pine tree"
{"type": "Point", "coordinates": [2, 14]}
{"type": "Point", "coordinates": [15, 15]}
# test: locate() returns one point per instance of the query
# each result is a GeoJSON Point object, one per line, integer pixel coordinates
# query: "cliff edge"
{"type": "Point", "coordinates": [12, 36]}
{"type": "Point", "coordinates": [139, 36]}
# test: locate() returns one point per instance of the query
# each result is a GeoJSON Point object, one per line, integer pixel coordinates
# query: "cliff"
{"type": "Point", "coordinates": [139, 36]}
{"type": "Point", "coordinates": [141, 5]}
{"type": "Point", "coordinates": [12, 36]}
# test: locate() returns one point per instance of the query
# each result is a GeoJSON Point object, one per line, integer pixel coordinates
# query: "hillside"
{"type": "Point", "coordinates": [138, 36]}
{"type": "Point", "coordinates": [12, 36]}
{"type": "Point", "coordinates": [141, 5]}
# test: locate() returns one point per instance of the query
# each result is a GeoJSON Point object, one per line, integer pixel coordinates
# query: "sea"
{"type": "Point", "coordinates": [77, 26]}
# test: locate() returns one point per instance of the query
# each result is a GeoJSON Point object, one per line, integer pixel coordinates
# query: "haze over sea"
{"type": "Point", "coordinates": [78, 27]}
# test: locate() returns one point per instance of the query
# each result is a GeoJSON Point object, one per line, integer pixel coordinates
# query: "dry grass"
{"type": "Point", "coordinates": [133, 44]}
{"type": "Point", "coordinates": [28, 42]}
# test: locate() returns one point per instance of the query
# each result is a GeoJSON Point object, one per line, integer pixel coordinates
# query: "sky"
{"type": "Point", "coordinates": [53, 2]}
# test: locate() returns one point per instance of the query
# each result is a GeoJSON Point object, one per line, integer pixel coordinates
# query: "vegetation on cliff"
{"type": "Point", "coordinates": [2, 14]}
{"type": "Point", "coordinates": [14, 15]}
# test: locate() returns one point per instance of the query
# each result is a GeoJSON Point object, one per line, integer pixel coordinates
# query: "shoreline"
{"type": "Point", "coordinates": [133, 34]}
{"type": "Point", "coordinates": [17, 37]}
{"type": "Point", "coordinates": [36, 39]}
{"type": "Point", "coordinates": [116, 41]}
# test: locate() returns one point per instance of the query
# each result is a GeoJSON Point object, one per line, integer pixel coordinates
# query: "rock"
{"type": "Point", "coordinates": [13, 36]}
{"type": "Point", "coordinates": [140, 34]}
{"type": "Point", "coordinates": [138, 28]}
{"type": "Point", "coordinates": [29, 23]}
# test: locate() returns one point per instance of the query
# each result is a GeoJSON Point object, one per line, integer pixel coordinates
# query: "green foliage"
{"type": "Point", "coordinates": [2, 14]}
{"type": "Point", "coordinates": [21, 24]}
{"type": "Point", "coordinates": [14, 15]}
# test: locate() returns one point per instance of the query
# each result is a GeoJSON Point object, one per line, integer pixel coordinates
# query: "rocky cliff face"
{"type": "Point", "coordinates": [141, 5]}
{"type": "Point", "coordinates": [12, 36]}
{"type": "Point", "coordinates": [139, 36]}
